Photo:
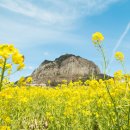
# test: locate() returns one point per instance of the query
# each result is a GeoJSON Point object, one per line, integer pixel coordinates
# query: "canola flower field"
{"type": "Point", "coordinates": [75, 106]}
{"type": "Point", "coordinates": [102, 104]}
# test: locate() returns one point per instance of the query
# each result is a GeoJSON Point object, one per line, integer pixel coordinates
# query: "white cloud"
{"type": "Point", "coordinates": [26, 36]}
{"type": "Point", "coordinates": [54, 13]}
{"type": "Point", "coordinates": [60, 12]}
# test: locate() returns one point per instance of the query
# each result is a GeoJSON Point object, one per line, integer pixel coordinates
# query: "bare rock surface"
{"type": "Point", "coordinates": [68, 67]}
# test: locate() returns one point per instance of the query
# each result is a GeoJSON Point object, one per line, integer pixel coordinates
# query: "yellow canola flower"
{"type": "Point", "coordinates": [29, 80]}
{"type": "Point", "coordinates": [6, 50]}
{"type": "Point", "coordinates": [17, 58]}
{"type": "Point", "coordinates": [119, 56]}
{"type": "Point", "coordinates": [11, 49]}
{"type": "Point", "coordinates": [7, 120]}
{"type": "Point", "coordinates": [97, 37]}
{"type": "Point", "coordinates": [5, 128]}
{"type": "Point", "coordinates": [118, 74]}
{"type": "Point", "coordinates": [22, 79]}
{"type": "Point", "coordinates": [24, 100]}
{"type": "Point", "coordinates": [4, 53]}
{"type": "Point", "coordinates": [8, 66]}
{"type": "Point", "coordinates": [49, 116]}
{"type": "Point", "coordinates": [21, 66]}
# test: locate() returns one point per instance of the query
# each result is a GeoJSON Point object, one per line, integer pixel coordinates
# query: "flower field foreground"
{"type": "Point", "coordinates": [91, 105]}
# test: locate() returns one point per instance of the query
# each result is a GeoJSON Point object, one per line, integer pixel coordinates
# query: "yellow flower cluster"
{"type": "Point", "coordinates": [9, 56]}
{"type": "Point", "coordinates": [118, 74]}
{"type": "Point", "coordinates": [9, 51]}
{"type": "Point", "coordinates": [72, 105]}
{"type": "Point", "coordinates": [97, 38]}
{"type": "Point", "coordinates": [24, 81]}
{"type": "Point", "coordinates": [119, 56]}
{"type": "Point", "coordinates": [5, 128]}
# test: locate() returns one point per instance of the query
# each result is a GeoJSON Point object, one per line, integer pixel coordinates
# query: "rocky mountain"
{"type": "Point", "coordinates": [68, 66]}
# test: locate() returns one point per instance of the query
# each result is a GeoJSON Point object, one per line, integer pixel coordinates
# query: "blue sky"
{"type": "Point", "coordinates": [46, 29]}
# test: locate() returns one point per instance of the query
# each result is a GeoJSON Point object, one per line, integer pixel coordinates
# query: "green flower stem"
{"type": "Point", "coordinates": [2, 74]}
{"type": "Point", "coordinates": [123, 66]}
{"type": "Point", "coordinates": [104, 59]}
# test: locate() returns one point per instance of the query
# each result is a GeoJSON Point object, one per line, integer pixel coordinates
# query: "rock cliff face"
{"type": "Point", "coordinates": [68, 66]}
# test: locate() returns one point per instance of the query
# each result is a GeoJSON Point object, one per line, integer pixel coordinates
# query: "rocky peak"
{"type": "Point", "coordinates": [68, 66]}
{"type": "Point", "coordinates": [62, 58]}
